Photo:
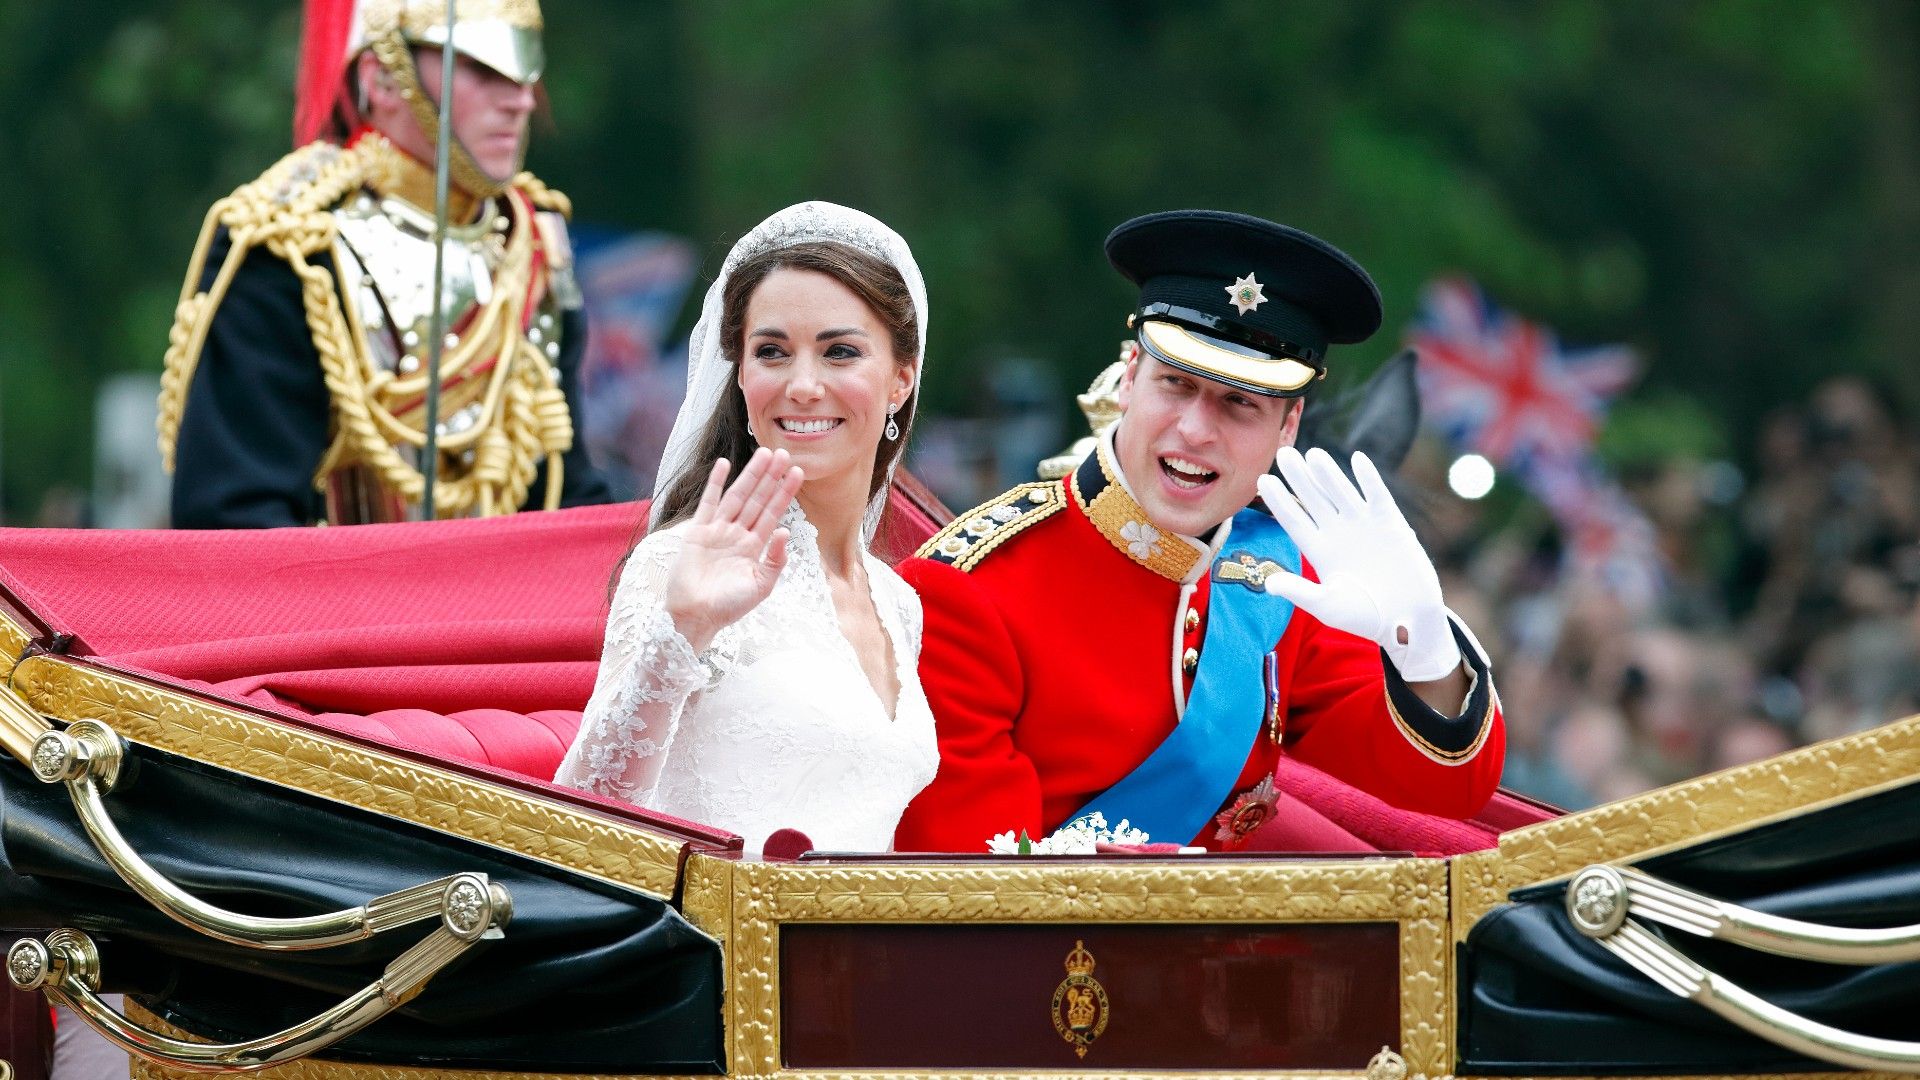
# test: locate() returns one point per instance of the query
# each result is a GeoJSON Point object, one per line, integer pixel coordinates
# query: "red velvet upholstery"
{"type": "Point", "coordinates": [530, 744]}
{"type": "Point", "coordinates": [1319, 813]}
{"type": "Point", "coordinates": [501, 613]}
{"type": "Point", "coordinates": [474, 641]}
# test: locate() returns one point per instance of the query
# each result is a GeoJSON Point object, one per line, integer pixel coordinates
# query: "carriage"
{"type": "Point", "coordinates": [288, 793]}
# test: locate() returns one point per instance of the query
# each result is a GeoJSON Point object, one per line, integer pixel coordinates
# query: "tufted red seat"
{"type": "Point", "coordinates": [530, 744]}
{"type": "Point", "coordinates": [473, 641]}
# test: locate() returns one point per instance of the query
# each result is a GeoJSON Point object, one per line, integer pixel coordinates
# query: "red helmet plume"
{"type": "Point", "coordinates": [326, 31]}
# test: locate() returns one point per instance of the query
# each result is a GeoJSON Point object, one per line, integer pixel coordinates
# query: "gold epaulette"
{"type": "Point", "coordinates": [542, 196]}
{"type": "Point", "coordinates": [285, 210]}
{"type": "Point", "coordinates": [974, 535]}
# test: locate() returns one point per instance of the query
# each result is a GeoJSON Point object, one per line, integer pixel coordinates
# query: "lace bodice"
{"type": "Point", "coordinates": [774, 725]}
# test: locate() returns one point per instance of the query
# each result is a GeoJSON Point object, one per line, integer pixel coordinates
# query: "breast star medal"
{"type": "Point", "coordinates": [1080, 1002]}
{"type": "Point", "coordinates": [1245, 294]}
{"type": "Point", "coordinates": [1248, 812]}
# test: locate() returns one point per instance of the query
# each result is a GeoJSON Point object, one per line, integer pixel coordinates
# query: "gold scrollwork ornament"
{"type": "Point", "coordinates": [1080, 1009]}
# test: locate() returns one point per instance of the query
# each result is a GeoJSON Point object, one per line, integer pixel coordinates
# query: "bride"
{"type": "Point", "coordinates": [760, 663]}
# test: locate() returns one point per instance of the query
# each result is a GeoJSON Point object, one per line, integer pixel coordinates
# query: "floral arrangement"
{"type": "Point", "coordinates": [1081, 836]}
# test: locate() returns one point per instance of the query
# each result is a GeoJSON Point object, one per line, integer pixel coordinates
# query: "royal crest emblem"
{"type": "Point", "coordinates": [1080, 1002]}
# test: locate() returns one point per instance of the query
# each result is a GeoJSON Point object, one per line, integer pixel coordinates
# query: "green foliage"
{"type": "Point", "coordinates": [1717, 181]}
{"type": "Point", "coordinates": [1665, 426]}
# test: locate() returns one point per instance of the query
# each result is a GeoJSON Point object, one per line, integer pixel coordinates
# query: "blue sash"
{"type": "Point", "coordinates": [1178, 789]}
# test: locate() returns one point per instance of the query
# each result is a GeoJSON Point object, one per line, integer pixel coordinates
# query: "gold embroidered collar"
{"type": "Point", "coordinates": [1101, 492]}
{"type": "Point", "coordinates": [395, 174]}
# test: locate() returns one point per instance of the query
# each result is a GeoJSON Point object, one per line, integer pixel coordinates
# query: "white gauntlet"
{"type": "Point", "coordinates": [1376, 581]}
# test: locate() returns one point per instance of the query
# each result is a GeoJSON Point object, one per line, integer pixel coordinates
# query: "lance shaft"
{"type": "Point", "coordinates": [437, 339]}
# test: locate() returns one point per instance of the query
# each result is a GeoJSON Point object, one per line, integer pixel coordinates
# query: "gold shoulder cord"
{"type": "Point", "coordinates": [542, 196]}
{"type": "Point", "coordinates": [972, 536]}
{"type": "Point", "coordinates": [285, 210]}
{"type": "Point", "coordinates": [525, 416]}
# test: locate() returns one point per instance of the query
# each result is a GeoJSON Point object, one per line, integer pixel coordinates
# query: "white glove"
{"type": "Point", "coordinates": [1376, 581]}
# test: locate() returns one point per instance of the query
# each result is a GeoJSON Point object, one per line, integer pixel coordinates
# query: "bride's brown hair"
{"type": "Point", "coordinates": [874, 281]}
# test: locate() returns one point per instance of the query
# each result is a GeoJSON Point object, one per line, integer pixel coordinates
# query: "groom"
{"type": "Point", "coordinates": [1134, 640]}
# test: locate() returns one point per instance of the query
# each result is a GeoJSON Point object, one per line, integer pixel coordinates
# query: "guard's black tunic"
{"type": "Point", "coordinates": [258, 415]}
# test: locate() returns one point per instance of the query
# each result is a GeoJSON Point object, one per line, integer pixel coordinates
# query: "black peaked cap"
{"type": "Point", "coordinates": [1315, 295]}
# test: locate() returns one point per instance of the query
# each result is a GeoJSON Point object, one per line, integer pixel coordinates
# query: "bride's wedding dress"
{"type": "Point", "coordinates": [775, 725]}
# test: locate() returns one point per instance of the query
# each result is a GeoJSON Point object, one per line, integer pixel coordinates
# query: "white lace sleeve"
{"type": "Point", "coordinates": [648, 672]}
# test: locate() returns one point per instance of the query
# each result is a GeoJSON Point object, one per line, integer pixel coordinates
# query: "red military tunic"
{"type": "Point", "coordinates": [1058, 634]}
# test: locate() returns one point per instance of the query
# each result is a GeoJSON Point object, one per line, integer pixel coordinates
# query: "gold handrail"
{"type": "Point", "coordinates": [86, 757]}
{"type": "Point", "coordinates": [20, 724]}
{"type": "Point", "coordinates": [1600, 900]}
{"type": "Point", "coordinates": [66, 966]}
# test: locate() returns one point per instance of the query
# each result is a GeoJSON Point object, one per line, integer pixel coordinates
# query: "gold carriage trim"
{"type": "Point", "coordinates": [972, 536]}
{"type": "Point", "coordinates": [434, 798]}
{"type": "Point", "coordinates": [1691, 812]}
{"type": "Point", "coordinates": [288, 211]}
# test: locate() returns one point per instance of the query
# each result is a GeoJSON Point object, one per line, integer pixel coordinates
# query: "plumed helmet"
{"type": "Point", "coordinates": [502, 34]}
{"type": "Point", "coordinates": [505, 35]}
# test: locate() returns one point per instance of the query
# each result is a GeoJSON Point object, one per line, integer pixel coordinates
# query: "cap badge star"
{"type": "Point", "coordinates": [1245, 294]}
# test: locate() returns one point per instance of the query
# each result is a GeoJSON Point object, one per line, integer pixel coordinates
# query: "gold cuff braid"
{"type": "Point", "coordinates": [524, 419]}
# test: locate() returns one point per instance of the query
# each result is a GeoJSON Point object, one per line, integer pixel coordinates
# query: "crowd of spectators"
{"type": "Point", "coordinates": [1787, 612]}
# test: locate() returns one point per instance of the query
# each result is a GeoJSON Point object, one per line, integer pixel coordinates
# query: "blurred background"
{"type": "Point", "coordinates": [1663, 256]}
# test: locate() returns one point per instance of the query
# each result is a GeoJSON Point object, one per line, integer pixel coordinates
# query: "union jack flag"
{"type": "Point", "coordinates": [1500, 386]}
{"type": "Point", "coordinates": [1507, 388]}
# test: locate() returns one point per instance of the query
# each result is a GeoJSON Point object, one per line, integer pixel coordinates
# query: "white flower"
{"type": "Point", "coordinates": [1073, 838]}
{"type": "Point", "coordinates": [1141, 538]}
{"type": "Point", "coordinates": [1123, 833]}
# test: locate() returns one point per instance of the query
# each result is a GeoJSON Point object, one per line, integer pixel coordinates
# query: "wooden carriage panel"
{"type": "Point", "coordinates": [1269, 966]}
{"type": "Point", "coordinates": [1240, 996]}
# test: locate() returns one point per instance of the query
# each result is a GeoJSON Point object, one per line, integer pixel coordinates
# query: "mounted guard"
{"type": "Point", "coordinates": [295, 388]}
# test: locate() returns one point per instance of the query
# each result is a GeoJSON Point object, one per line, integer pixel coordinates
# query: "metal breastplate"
{"type": "Point", "coordinates": [384, 257]}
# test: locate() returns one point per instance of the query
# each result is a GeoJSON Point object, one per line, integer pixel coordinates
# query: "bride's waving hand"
{"type": "Point", "coordinates": [734, 548]}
